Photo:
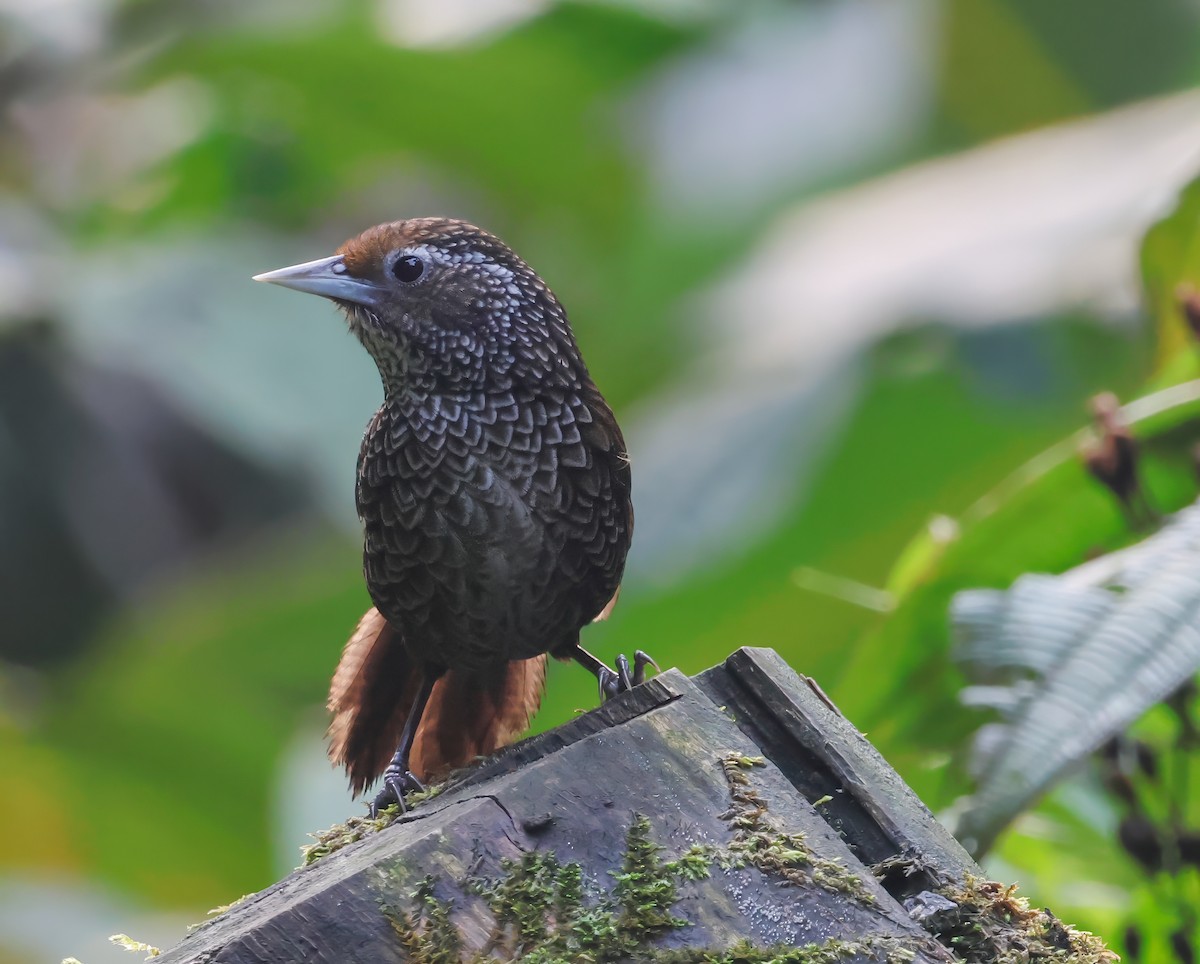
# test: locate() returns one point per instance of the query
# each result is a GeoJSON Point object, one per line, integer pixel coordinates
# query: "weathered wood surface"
{"type": "Point", "coordinates": [656, 751]}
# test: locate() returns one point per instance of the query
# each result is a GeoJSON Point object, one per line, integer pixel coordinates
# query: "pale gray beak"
{"type": "Point", "coordinates": [326, 277]}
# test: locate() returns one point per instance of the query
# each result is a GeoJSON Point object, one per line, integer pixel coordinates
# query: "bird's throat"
{"type": "Point", "coordinates": [391, 351]}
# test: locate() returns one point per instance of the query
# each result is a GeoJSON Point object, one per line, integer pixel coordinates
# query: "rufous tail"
{"type": "Point", "coordinates": [468, 714]}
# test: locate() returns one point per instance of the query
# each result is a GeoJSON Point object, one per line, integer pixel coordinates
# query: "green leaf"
{"type": "Point", "coordinates": [302, 117]}
{"type": "Point", "coordinates": [1047, 516]}
{"type": "Point", "coordinates": [1103, 643]}
{"type": "Point", "coordinates": [1171, 264]}
{"type": "Point", "coordinates": [157, 758]}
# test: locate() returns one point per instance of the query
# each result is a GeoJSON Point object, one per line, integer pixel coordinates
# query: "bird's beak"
{"type": "Point", "coordinates": [326, 277]}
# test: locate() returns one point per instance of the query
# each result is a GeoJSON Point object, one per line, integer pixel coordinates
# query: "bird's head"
{"type": "Point", "coordinates": [440, 302]}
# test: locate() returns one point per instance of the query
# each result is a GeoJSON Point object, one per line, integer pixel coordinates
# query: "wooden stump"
{"type": "Point", "coordinates": [737, 809]}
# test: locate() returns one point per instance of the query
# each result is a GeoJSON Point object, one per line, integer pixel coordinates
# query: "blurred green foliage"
{"type": "Point", "coordinates": [1170, 267]}
{"type": "Point", "coordinates": [151, 767]}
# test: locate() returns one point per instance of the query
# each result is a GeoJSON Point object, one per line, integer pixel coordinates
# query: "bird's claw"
{"type": "Point", "coordinates": [396, 783]}
{"type": "Point", "coordinates": [622, 680]}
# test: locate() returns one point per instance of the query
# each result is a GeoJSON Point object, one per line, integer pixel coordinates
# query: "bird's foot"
{"type": "Point", "coordinates": [396, 783]}
{"type": "Point", "coordinates": [623, 679]}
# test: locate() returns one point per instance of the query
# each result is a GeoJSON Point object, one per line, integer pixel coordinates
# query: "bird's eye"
{"type": "Point", "coordinates": [408, 268]}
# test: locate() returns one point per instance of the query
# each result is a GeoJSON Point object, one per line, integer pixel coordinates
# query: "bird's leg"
{"type": "Point", "coordinates": [619, 681]}
{"type": "Point", "coordinates": [604, 676]}
{"type": "Point", "coordinates": [398, 779]}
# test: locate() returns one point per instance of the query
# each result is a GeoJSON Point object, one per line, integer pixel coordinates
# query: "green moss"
{"type": "Point", "coordinates": [890, 950]}
{"type": "Point", "coordinates": [645, 888]}
{"type": "Point", "coordinates": [988, 921]}
{"type": "Point", "coordinates": [356, 828]}
{"type": "Point", "coordinates": [757, 842]}
{"type": "Point", "coordinates": [428, 936]}
{"type": "Point", "coordinates": [137, 947]}
{"type": "Point", "coordinates": [125, 942]}
{"type": "Point", "coordinates": [546, 912]}
{"type": "Point", "coordinates": [420, 796]}
{"type": "Point", "coordinates": [992, 924]}
{"type": "Point", "coordinates": [222, 908]}
{"type": "Point", "coordinates": [342, 834]}
{"type": "Point", "coordinates": [523, 900]}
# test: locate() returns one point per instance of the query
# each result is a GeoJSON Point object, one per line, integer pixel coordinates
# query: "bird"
{"type": "Point", "coordinates": [494, 490]}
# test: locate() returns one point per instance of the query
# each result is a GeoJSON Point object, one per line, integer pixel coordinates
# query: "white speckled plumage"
{"type": "Point", "coordinates": [493, 483]}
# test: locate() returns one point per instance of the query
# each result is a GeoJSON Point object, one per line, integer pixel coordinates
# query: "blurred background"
{"type": "Point", "coordinates": [841, 266]}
